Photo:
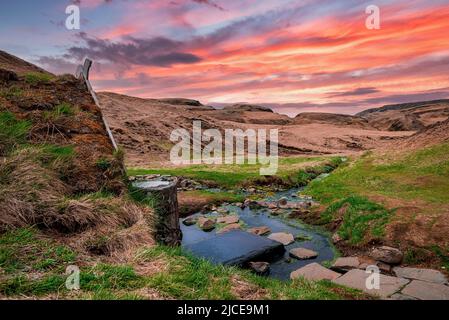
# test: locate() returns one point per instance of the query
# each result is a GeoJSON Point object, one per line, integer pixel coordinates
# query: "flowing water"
{"type": "Point", "coordinates": [281, 266]}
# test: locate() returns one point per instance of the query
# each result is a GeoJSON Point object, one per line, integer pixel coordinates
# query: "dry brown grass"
{"type": "Point", "coordinates": [33, 194]}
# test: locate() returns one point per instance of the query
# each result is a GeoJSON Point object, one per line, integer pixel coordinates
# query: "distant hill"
{"type": "Point", "coordinates": [408, 116]}
{"type": "Point", "coordinates": [331, 118]}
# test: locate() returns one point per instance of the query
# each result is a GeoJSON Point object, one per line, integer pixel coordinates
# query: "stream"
{"type": "Point", "coordinates": [311, 237]}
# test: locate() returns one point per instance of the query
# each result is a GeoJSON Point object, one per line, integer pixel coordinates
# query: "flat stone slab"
{"type": "Point", "coordinates": [346, 263]}
{"type": "Point", "coordinates": [428, 275]}
{"type": "Point", "coordinates": [236, 248]}
{"type": "Point", "coordinates": [229, 227]}
{"type": "Point", "coordinates": [303, 253]}
{"type": "Point", "coordinates": [259, 230]}
{"type": "Point", "coordinates": [314, 272]}
{"type": "Point", "coordinates": [426, 290]}
{"type": "Point", "coordinates": [356, 279]}
{"type": "Point", "coordinates": [228, 219]}
{"type": "Point", "coordinates": [282, 237]}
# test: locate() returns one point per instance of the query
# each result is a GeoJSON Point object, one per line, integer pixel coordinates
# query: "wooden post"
{"type": "Point", "coordinates": [82, 72]}
{"type": "Point", "coordinates": [164, 193]}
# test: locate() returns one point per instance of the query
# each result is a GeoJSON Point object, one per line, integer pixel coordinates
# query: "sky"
{"type": "Point", "coordinates": [292, 55]}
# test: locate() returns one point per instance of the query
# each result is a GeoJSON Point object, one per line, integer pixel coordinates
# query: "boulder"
{"type": "Point", "coordinates": [206, 224]}
{"type": "Point", "coordinates": [387, 254]}
{"type": "Point", "coordinates": [190, 221]}
{"type": "Point", "coordinates": [228, 219]}
{"type": "Point", "coordinates": [249, 202]}
{"type": "Point", "coordinates": [282, 201]}
{"type": "Point", "coordinates": [315, 272]}
{"type": "Point", "coordinates": [260, 268]}
{"type": "Point", "coordinates": [303, 253]}
{"type": "Point", "coordinates": [282, 237]}
{"type": "Point", "coordinates": [260, 231]}
{"type": "Point", "coordinates": [428, 275]}
{"type": "Point", "coordinates": [229, 227]}
{"type": "Point", "coordinates": [345, 264]}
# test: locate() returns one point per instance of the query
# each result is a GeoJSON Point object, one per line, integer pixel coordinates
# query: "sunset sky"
{"type": "Point", "coordinates": [295, 56]}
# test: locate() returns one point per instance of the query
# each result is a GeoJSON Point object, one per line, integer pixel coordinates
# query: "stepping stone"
{"type": "Point", "coordinates": [428, 275]}
{"type": "Point", "coordinates": [314, 272]}
{"type": "Point", "coordinates": [426, 290]}
{"type": "Point", "coordinates": [228, 219]}
{"type": "Point", "coordinates": [345, 264]}
{"type": "Point", "coordinates": [190, 221]}
{"type": "Point", "coordinates": [236, 248]}
{"type": "Point", "coordinates": [356, 279]}
{"type": "Point", "coordinates": [259, 230]}
{"type": "Point", "coordinates": [282, 237]}
{"type": "Point", "coordinates": [206, 224]}
{"type": "Point", "coordinates": [303, 253]}
{"type": "Point", "coordinates": [387, 254]}
{"type": "Point", "coordinates": [260, 268]}
{"type": "Point", "coordinates": [229, 227]}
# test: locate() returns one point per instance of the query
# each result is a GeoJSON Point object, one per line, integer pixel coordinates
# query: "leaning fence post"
{"type": "Point", "coordinates": [82, 72]}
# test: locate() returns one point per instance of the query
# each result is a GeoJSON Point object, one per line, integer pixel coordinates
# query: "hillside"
{"type": "Point", "coordinates": [63, 196]}
{"type": "Point", "coordinates": [143, 127]}
{"type": "Point", "coordinates": [408, 116]}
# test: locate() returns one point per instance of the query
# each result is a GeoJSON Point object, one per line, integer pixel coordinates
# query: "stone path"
{"type": "Point", "coordinates": [428, 275]}
{"type": "Point", "coordinates": [407, 284]}
{"type": "Point", "coordinates": [423, 290]}
{"type": "Point", "coordinates": [357, 279]}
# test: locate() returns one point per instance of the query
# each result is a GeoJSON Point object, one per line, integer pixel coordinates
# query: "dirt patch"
{"type": "Point", "coordinates": [150, 268]}
{"type": "Point", "coordinates": [246, 291]}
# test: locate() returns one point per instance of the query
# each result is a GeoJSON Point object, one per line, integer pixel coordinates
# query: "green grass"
{"type": "Point", "coordinates": [192, 278]}
{"type": "Point", "coordinates": [293, 170]}
{"type": "Point", "coordinates": [13, 132]}
{"type": "Point", "coordinates": [180, 276]}
{"type": "Point", "coordinates": [22, 251]}
{"type": "Point", "coordinates": [421, 175]}
{"type": "Point", "coordinates": [361, 217]}
{"type": "Point", "coordinates": [216, 197]}
{"type": "Point", "coordinates": [35, 78]}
